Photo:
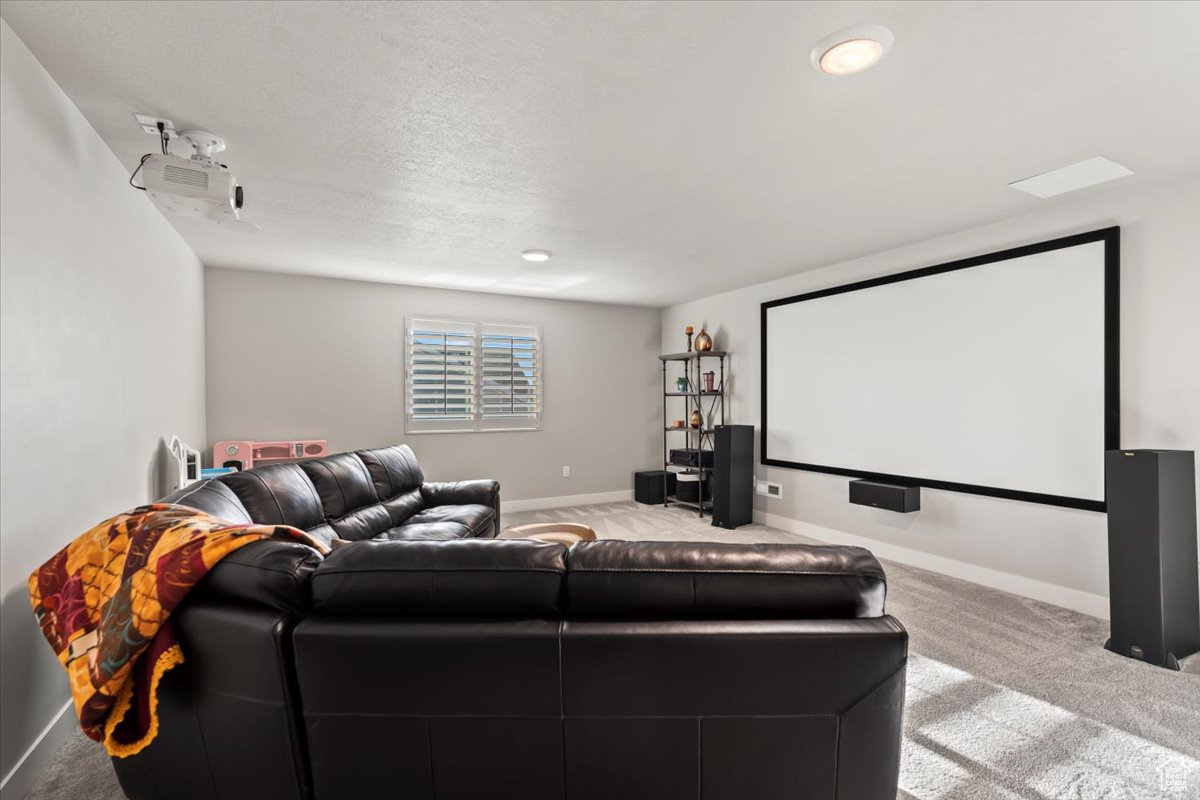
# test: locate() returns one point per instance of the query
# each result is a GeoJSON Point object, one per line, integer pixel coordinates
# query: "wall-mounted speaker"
{"type": "Point", "coordinates": [888, 496]}
{"type": "Point", "coordinates": [1152, 571]}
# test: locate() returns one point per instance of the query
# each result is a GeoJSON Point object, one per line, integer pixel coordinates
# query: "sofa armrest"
{"type": "Point", "coordinates": [272, 574]}
{"type": "Point", "coordinates": [461, 493]}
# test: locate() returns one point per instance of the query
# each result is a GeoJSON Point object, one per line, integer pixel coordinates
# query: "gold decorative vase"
{"type": "Point", "coordinates": [704, 342]}
{"type": "Point", "coordinates": [696, 419]}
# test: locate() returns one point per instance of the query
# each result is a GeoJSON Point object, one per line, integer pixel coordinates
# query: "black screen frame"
{"type": "Point", "coordinates": [1110, 236]}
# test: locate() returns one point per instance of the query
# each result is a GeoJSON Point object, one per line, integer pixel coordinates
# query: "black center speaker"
{"type": "Point", "coordinates": [1152, 571]}
{"type": "Point", "coordinates": [889, 496]}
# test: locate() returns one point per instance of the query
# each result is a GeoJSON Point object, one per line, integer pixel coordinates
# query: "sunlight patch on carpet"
{"type": "Point", "coordinates": [966, 737]}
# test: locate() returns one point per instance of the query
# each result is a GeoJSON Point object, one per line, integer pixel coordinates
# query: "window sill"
{"type": "Point", "coordinates": [474, 430]}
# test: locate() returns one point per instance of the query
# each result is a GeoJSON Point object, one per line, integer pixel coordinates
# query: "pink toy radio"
{"type": "Point", "coordinates": [248, 455]}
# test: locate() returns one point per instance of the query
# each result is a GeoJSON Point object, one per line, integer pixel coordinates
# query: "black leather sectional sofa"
{"type": "Point", "coordinates": [427, 660]}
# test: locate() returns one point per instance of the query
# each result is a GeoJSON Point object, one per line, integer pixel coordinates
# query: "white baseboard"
{"type": "Point", "coordinates": [1085, 602]}
{"type": "Point", "coordinates": [536, 504]}
{"type": "Point", "coordinates": [31, 763]}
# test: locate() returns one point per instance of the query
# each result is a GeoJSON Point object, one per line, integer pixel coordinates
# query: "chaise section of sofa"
{"type": "Point", "coordinates": [610, 669]}
{"type": "Point", "coordinates": [730, 671]}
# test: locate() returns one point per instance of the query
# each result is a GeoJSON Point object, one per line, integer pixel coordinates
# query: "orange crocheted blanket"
{"type": "Point", "coordinates": [104, 602]}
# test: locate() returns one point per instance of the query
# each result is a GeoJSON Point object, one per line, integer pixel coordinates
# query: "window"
{"type": "Point", "coordinates": [472, 376]}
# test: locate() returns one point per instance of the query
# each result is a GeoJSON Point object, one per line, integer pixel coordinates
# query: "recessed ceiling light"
{"type": "Point", "coordinates": [535, 255]}
{"type": "Point", "coordinates": [1076, 176]}
{"type": "Point", "coordinates": [852, 49]}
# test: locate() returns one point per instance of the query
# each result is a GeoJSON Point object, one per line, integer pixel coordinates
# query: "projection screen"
{"type": "Point", "coordinates": [994, 375]}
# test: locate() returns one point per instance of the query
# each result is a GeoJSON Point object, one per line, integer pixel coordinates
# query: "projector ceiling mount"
{"type": "Point", "coordinates": [196, 186]}
{"type": "Point", "coordinates": [204, 143]}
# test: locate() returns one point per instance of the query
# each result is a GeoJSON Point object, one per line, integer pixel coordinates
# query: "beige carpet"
{"type": "Point", "coordinates": [1007, 698]}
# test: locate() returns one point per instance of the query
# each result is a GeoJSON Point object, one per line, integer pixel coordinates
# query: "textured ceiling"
{"type": "Point", "coordinates": [662, 151]}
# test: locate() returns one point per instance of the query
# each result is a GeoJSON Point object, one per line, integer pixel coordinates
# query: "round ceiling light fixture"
{"type": "Point", "coordinates": [535, 255]}
{"type": "Point", "coordinates": [852, 49]}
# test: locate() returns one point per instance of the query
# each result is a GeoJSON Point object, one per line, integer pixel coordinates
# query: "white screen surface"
{"type": "Point", "coordinates": [988, 376]}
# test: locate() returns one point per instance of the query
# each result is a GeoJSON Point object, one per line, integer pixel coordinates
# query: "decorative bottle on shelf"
{"type": "Point", "coordinates": [696, 419]}
{"type": "Point", "coordinates": [704, 342]}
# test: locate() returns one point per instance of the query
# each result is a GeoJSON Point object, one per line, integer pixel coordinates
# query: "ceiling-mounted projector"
{"type": "Point", "coordinates": [194, 187]}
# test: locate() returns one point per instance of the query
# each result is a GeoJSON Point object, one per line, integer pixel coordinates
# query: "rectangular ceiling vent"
{"type": "Point", "coordinates": [196, 178]}
{"type": "Point", "coordinates": [1076, 176]}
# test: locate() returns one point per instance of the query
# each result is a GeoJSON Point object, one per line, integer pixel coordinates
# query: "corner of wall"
{"type": "Point", "coordinates": [38, 755]}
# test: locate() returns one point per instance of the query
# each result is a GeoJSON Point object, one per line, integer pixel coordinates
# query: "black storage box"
{"type": "Point", "coordinates": [691, 457]}
{"type": "Point", "coordinates": [687, 488]}
{"type": "Point", "coordinates": [648, 486]}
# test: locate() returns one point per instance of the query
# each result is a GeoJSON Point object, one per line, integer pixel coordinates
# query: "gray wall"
{"type": "Point", "coordinates": [296, 357]}
{"type": "Point", "coordinates": [101, 351]}
{"type": "Point", "coordinates": [1055, 554]}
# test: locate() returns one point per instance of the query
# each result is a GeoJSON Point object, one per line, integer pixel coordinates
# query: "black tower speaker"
{"type": "Point", "coordinates": [1152, 581]}
{"type": "Point", "coordinates": [733, 476]}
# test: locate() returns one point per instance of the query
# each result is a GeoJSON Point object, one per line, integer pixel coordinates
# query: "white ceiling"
{"type": "Point", "coordinates": [662, 151]}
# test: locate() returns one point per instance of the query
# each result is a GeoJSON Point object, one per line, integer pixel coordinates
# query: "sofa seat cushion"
{"type": "Point", "coordinates": [425, 531]}
{"type": "Point", "coordinates": [477, 519]}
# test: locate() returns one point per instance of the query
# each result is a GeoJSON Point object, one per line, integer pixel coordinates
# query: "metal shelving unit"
{"type": "Point", "coordinates": [701, 439]}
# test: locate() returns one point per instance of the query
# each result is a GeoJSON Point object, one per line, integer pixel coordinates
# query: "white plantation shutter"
{"type": "Point", "coordinates": [440, 375]}
{"type": "Point", "coordinates": [469, 376]}
{"type": "Point", "coordinates": [510, 380]}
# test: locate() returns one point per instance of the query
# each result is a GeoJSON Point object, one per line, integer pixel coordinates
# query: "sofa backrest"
{"type": "Point", "coordinates": [711, 580]}
{"type": "Point", "coordinates": [600, 580]}
{"type": "Point", "coordinates": [212, 497]}
{"type": "Point", "coordinates": [356, 496]}
{"type": "Point", "coordinates": [349, 496]}
{"type": "Point", "coordinates": [367, 492]}
{"type": "Point", "coordinates": [473, 578]}
{"type": "Point", "coordinates": [280, 494]}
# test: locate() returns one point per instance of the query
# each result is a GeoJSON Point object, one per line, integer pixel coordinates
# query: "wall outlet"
{"type": "Point", "coordinates": [566, 472]}
{"type": "Point", "coordinates": [149, 124]}
{"type": "Point", "coordinates": [768, 489]}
